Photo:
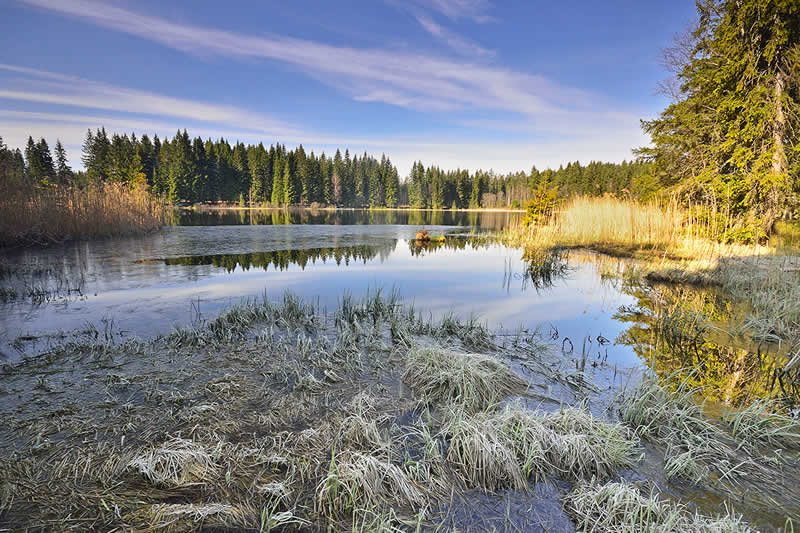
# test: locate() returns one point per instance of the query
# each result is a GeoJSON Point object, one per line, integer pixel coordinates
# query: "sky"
{"type": "Point", "coordinates": [475, 84]}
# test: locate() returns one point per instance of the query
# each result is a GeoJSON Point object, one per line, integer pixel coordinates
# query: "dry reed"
{"type": "Point", "coordinates": [45, 215]}
{"type": "Point", "coordinates": [626, 227]}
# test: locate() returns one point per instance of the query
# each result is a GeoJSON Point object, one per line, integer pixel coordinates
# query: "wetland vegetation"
{"type": "Point", "coordinates": [276, 416]}
{"type": "Point", "coordinates": [624, 357]}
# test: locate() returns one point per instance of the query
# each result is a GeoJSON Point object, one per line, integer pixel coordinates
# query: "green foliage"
{"type": "Point", "coordinates": [194, 170]}
{"type": "Point", "coordinates": [541, 206]}
{"type": "Point", "coordinates": [12, 166]}
{"type": "Point", "coordinates": [728, 136]}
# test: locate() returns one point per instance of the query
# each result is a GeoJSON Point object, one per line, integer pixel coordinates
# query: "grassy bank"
{"type": "Point", "coordinates": [676, 247]}
{"type": "Point", "coordinates": [46, 215]}
{"type": "Point", "coordinates": [277, 416]}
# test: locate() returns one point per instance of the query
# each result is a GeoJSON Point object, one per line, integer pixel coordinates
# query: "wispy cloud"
{"type": "Point", "coordinates": [45, 87]}
{"type": "Point", "coordinates": [559, 122]}
{"type": "Point", "coordinates": [456, 9]}
{"type": "Point", "coordinates": [452, 39]}
{"type": "Point", "coordinates": [417, 81]}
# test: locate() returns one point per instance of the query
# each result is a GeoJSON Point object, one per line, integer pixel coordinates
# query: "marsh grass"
{"type": "Point", "coordinates": [674, 418]}
{"type": "Point", "coordinates": [620, 507]}
{"type": "Point", "coordinates": [506, 448]}
{"type": "Point", "coordinates": [175, 463]}
{"type": "Point", "coordinates": [180, 517]}
{"type": "Point", "coordinates": [699, 450]}
{"type": "Point", "coordinates": [474, 381]}
{"type": "Point", "coordinates": [761, 423]}
{"type": "Point", "coordinates": [49, 214]}
{"type": "Point", "coordinates": [211, 428]}
{"type": "Point", "coordinates": [361, 481]}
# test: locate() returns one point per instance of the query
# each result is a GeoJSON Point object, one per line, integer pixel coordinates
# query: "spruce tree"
{"type": "Point", "coordinates": [289, 190]}
{"type": "Point", "coordinates": [277, 197]}
{"type": "Point", "coordinates": [63, 172]}
{"type": "Point", "coordinates": [731, 129]}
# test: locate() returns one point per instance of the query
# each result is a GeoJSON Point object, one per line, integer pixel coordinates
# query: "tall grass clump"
{"type": "Point", "coordinates": [507, 448]}
{"type": "Point", "coordinates": [51, 214]}
{"type": "Point", "coordinates": [474, 381]}
{"type": "Point", "coordinates": [674, 418]}
{"type": "Point", "coordinates": [622, 508]}
{"type": "Point", "coordinates": [361, 481]}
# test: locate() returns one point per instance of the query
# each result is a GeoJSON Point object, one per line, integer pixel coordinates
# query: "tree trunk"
{"type": "Point", "coordinates": [778, 157]}
{"type": "Point", "coordinates": [779, 128]}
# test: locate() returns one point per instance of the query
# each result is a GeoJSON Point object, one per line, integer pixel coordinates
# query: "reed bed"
{"type": "Point", "coordinates": [46, 215]}
{"type": "Point", "coordinates": [657, 229]}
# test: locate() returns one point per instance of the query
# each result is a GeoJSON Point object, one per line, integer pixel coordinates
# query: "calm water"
{"type": "Point", "coordinates": [150, 285]}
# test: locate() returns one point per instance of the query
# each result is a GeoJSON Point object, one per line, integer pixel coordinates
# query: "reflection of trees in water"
{"type": "Point", "coordinates": [276, 217]}
{"type": "Point", "coordinates": [283, 259]}
{"type": "Point", "coordinates": [678, 328]}
{"type": "Point", "coordinates": [681, 328]}
{"type": "Point", "coordinates": [421, 248]}
{"type": "Point", "coordinates": [545, 266]}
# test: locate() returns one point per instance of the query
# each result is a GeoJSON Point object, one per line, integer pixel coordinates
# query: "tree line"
{"type": "Point", "coordinates": [182, 169]}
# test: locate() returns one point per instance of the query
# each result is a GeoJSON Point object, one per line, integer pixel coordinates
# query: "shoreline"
{"type": "Point", "coordinates": [307, 208]}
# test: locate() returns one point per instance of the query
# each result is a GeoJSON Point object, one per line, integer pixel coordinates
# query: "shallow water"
{"type": "Point", "coordinates": [577, 301]}
{"type": "Point", "coordinates": [149, 285]}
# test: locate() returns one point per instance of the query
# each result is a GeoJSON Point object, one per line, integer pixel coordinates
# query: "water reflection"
{"type": "Point", "coordinates": [698, 331]}
{"type": "Point", "coordinates": [679, 328]}
{"type": "Point", "coordinates": [153, 283]}
{"type": "Point", "coordinates": [492, 220]}
{"type": "Point", "coordinates": [283, 259]}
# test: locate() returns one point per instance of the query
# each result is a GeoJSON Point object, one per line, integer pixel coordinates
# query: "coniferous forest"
{"type": "Point", "coordinates": [185, 170]}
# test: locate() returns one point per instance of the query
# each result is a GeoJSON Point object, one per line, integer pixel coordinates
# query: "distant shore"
{"type": "Point", "coordinates": [202, 207]}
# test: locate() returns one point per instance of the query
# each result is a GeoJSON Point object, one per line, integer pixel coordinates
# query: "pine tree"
{"type": "Point", "coordinates": [336, 179]}
{"type": "Point", "coordinates": [63, 171]}
{"type": "Point", "coordinates": [290, 192]}
{"type": "Point", "coordinates": [277, 197]}
{"type": "Point", "coordinates": [12, 167]}
{"type": "Point", "coordinates": [736, 111]}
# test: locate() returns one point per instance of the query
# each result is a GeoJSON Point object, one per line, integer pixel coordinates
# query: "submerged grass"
{"type": "Point", "coordinates": [276, 416]}
{"type": "Point", "coordinates": [762, 424]}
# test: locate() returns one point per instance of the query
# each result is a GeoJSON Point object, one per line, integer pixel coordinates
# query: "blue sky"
{"type": "Point", "coordinates": [459, 83]}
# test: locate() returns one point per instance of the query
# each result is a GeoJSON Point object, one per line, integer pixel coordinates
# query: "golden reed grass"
{"type": "Point", "coordinates": [628, 227]}
{"type": "Point", "coordinates": [45, 215]}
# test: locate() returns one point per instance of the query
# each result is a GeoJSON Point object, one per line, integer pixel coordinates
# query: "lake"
{"type": "Point", "coordinates": [209, 261]}
{"type": "Point", "coordinates": [598, 320]}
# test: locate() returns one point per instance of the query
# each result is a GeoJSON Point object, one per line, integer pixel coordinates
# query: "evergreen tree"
{"type": "Point", "coordinates": [12, 167]}
{"type": "Point", "coordinates": [63, 171]}
{"type": "Point", "coordinates": [278, 187]}
{"type": "Point", "coordinates": [290, 192]}
{"type": "Point", "coordinates": [732, 126]}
